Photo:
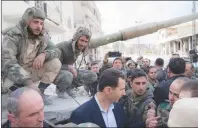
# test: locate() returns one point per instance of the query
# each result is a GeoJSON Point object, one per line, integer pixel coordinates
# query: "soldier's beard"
{"type": "Point", "coordinates": [31, 33]}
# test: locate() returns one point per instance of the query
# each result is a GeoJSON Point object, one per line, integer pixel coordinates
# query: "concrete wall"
{"type": "Point", "coordinates": [177, 39]}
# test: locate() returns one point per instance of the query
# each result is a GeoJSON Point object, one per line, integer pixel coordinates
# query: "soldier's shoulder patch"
{"type": "Point", "coordinates": [164, 105]}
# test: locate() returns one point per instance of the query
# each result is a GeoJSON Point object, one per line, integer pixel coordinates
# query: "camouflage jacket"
{"type": "Point", "coordinates": [68, 49]}
{"type": "Point", "coordinates": [163, 111]}
{"type": "Point", "coordinates": [14, 46]}
{"type": "Point", "coordinates": [152, 86]}
{"type": "Point", "coordinates": [136, 107]}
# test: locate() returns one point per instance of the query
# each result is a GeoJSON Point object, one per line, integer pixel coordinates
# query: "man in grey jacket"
{"type": "Point", "coordinates": [28, 54]}
{"type": "Point", "coordinates": [70, 50]}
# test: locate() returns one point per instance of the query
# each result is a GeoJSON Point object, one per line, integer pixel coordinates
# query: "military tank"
{"type": "Point", "coordinates": [60, 111]}
{"type": "Point", "coordinates": [140, 30]}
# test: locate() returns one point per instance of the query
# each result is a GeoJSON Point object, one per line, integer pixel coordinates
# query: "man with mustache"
{"type": "Point", "coordinates": [165, 107]}
{"type": "Point", "coordinates": [70, 50]}
{"type": "Point", "coordinates": [28, 55]}
{"type": "Point", "coordinates": [137, 102]}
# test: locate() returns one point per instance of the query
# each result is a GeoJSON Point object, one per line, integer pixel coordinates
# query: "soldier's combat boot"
{"type": "Point", "coordinates": [70, 92]}
{"type": "Point", "coordinates": [46, 99]}
{"type": "Point", "coordinates": [62, 95]}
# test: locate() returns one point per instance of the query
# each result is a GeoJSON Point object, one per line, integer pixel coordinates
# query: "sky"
{"type": "Point", "coordinates": [117, 15]}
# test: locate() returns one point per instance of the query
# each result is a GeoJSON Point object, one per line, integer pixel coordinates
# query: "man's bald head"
{"type": "Point", "coordinates": [25, 107]}
{"type": "Point", "coordinates": [175, 89]}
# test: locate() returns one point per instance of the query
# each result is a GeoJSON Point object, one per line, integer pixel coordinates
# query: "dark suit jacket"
{"type": "Point", "coordinates": [90, 112]}
{"type": "Point", "coordinates": [161, 92]}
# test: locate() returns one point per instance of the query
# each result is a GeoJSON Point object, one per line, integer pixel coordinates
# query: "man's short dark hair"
{"type": "Point", "coordinates": [159, 62]}
{"type": "Point", "coordinates": [192, 87]}
{"type": "Point", "coordinates": [118, 58]}
{"type": "Point", "coordinates": [137, 73]}
{"type": "Point", "coordinates": [110, 77]}
{"type": "Point", "coordinates": [147, 71]}
{"type": "Point", "coordinates": [93, 63]}
{"type": "Point", "coordinates": [177, 65]}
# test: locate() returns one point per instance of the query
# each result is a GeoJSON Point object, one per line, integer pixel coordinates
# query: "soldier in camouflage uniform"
{"type": "Point", "coordinates": [152, 78]}
{"type": "Point", "coordinates": [136, 103]}
{"type": "Point", "coordinates": [28, 55]}
{"type": "Point", "coordinates": [164, 108]}
{"type": "Point", "coordinates": [70, 50]}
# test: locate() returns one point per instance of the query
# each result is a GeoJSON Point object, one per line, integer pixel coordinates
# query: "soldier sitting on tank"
{"type": "Point", "coordinates": [28, 55]}
{"type": "Point", "coordinates": [137, 102]}
{"type": "Point", "coordinates": [152, 78]}
{"type": "Point", "coordinates": [165, 107]}
{"type": "Point", "coordinates": [70, 50]}
{"type": "Point", "coordinates": [25, 109]}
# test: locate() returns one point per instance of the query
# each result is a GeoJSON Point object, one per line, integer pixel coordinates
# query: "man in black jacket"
{"type": "Point", "coordinates": [176, 68]}
{"type": "Point", "coordinates": [161, 75]}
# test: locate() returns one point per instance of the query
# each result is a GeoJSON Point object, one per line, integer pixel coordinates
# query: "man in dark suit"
{"type": "Point", "coordinates": [102, 109]}
{"type": "Point", "coordinates": [176, 68]}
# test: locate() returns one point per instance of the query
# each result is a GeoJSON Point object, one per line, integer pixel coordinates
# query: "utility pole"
{"type": "Point", "coordinates": [194, 40]}
{"type": "Point", "coordinates": [138, 39]}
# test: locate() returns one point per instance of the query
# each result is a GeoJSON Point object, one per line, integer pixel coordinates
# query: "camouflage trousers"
{"type": "Point", "coordinates": [65, 79]}
{"type": "Point", "coordinates": [47, 74]}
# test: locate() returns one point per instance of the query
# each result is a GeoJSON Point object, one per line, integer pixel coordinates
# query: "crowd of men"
{"type": "Point", "coordinates": [125, 93]}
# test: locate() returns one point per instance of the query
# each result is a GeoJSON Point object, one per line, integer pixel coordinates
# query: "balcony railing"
{"type": "Point", "coordinates": [52, 11]}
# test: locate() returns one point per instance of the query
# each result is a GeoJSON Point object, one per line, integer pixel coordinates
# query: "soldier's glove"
{"type": "Point", "coordinates": [38, 61]}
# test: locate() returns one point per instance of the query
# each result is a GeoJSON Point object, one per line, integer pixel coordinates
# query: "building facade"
{"type": "Point", "coordinates": [87, 14]}
{"type": "Point", "coordinates": [177, 39]}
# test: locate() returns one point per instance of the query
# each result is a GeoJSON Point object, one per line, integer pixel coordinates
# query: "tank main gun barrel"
{"type": "Point", "coordinates": [140, 30]}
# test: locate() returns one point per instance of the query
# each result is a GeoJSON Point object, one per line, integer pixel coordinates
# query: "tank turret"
{"type": "Point", "coordinates": [140, 30]}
